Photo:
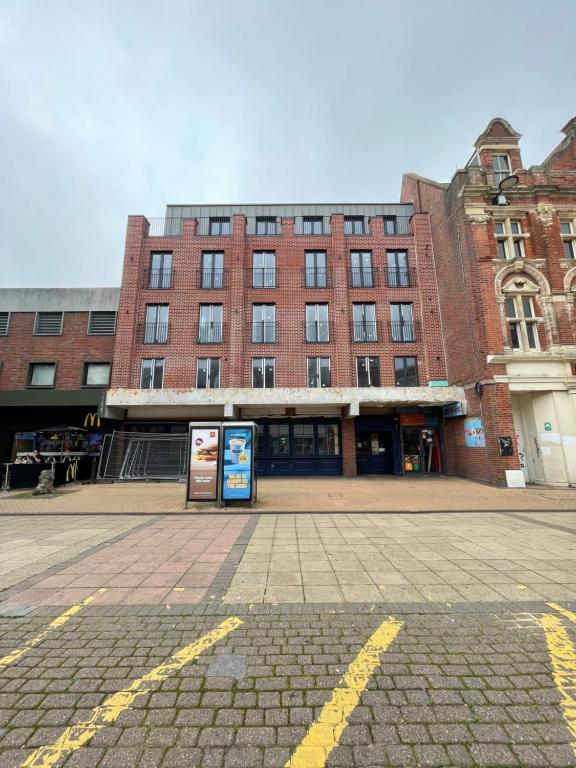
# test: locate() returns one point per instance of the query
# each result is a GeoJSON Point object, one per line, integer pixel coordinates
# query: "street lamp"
{"type": "Point", "coordinates": [507, 183]}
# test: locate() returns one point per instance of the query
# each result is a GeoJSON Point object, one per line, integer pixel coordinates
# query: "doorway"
{"type": "Point", "coordinates": [421, 452]}
{"type": "Point", "coordinates": [374, 453]}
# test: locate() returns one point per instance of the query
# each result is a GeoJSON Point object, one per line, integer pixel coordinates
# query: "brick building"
{"type": "Point", "coordinates": [56, 351]}
{"type": "Point", "coordinates": [507, 282]}
{"type": "Point", "coordinates": [321, 323]}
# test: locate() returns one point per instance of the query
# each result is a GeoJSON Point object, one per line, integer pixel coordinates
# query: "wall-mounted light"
{"type": "Point", "coordinates": [507, 183]}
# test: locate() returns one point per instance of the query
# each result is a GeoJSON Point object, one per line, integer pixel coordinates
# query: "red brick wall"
{"type": "Point", "coordinates": [69, 351]}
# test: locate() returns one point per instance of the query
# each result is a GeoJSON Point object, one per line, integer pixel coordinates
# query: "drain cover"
{"type": "Point", "coordinates": [228, 665]}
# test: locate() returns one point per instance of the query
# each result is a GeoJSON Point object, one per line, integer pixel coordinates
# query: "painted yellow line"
{"type": "Point", "coordinates": [78, 735]}
{"type": "Point", "coordinates": [563, 611]}
{"type": "Point", "coordinates": [324, 734]}
{"type": "Point", "coordinates": [58, 622]}
{"type": "Point", "coordinates": [563, 658]}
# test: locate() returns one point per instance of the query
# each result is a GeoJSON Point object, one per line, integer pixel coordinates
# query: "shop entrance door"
{"type": "Point", "coordinates": [421, 450]}
{"type": "Point", "coordinates": [374, 455]}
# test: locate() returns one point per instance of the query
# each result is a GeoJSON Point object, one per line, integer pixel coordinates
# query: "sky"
{"type": "Point", "coordinates": [118, 107]}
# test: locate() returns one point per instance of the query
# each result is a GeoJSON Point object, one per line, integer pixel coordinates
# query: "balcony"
{"type": "Point", "coordinates": [362, 277]}
{"type": "Point", "coordinates": [397, 225]}
{"type": "Point", "coordinates": [155, 333]}
{"type": "Point", "coordinates": [214, 226]}
{"type": "Point", "coordinates": [319, 332]}
{"type": "Point", "coordinates": [263, 333]}
{"type": "Point", "coordinates": [210, 333]}
{"type": "Point", "coordinates": [171, 227]}
{"type": "Point", "coordinates": [262, 277]}
{"type": "Point", "coordinates": [400, 277]}
{"type": "Point", "coordinates": [213, 279]}
{"type": "Point", "coordinates": [316, 277]}
{"type": "Point", "coordinates": [263, 226]}
{"type": "Point", "coordinates": [365, 331]}
{"type": "Point", "coordinates": [404, 331]}
{"type": "Point", "coordinates": [157, 279]}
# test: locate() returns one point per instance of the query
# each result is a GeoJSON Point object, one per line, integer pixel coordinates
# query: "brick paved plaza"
{"type": "Point", "coordinates": [300, 640]}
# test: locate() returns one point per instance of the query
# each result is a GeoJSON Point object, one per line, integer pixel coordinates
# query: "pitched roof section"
{"type": "Point", "coordinates": [563, 157]}
{"type": "Point", "coordinates": [498, 131]}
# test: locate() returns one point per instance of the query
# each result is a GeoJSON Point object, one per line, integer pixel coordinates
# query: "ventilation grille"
{"type": "Point", "coordinates": [4, 317]}
{"type": "Point", "coordinates": [102, 324]}
{"type": "Point", "coordinates": [49, 323]}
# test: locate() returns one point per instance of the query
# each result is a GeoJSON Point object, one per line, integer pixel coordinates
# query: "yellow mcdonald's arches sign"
{"type": "Point", "coordinates": [71, 471]}
{"type": "Point", "coordinates": [92, 419]}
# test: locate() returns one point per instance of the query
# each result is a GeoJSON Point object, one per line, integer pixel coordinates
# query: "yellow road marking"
{"type": "Point", "coordinates": [78, 735]}
{"type": "Point", "coordinates": [563, 611]}
{"type": "Point", "coordinates": [58, 622]}
{"type": "Point", "coordinates": [324, 734]}
{"type": "Point", "coordinates": [563, 658]}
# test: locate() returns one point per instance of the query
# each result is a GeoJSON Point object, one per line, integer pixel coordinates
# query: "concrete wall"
{"type": "Point", "coordinates": [59, 299]}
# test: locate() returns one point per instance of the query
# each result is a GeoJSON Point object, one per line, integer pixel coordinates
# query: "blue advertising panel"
{"type": "Point", "coordinates": [474, 433]}
{"type": "Point", "coordinates": [237, 471]}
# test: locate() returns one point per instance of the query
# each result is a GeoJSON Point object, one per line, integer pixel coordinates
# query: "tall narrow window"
{"type": "Point", "coordinates": [156, 325]}
{"type": "Point", "coordinates": [263, 323]}
{"type": "Point", "coordinates": [364, 322]}
{"type": "Point", "coordinates": [318, 371]}
{"type": "Point", "coordinates": [510, 239]}
{"type": "Point", "coordinates": [264, 269]}
{"type": "Point", "coordinates": [210, 327]}
{"type": "Point", "coordinates": [160, 275]}
{"type": "Point", "coordinates": [152, 373]}
{"type": "Point", "coordinates": [317, 328]}
{"type": "Point", "coordinates": [501, 167]}
{"type": "Point", "coordinates": [315, 272]}
{"type": "Point", "coordinates": [568, 232]}
{"type": "Point", "coordinates": [263, 372]}
{"type": "Point", "coordinates": [208, 373]}
{"type": "Point", "coordinates": [406, 371]}
{"type": "Point", "coordinates": [390, 225]}
{"type": "Point", "coordinates": [522, 322]}
{"type": "Point", "coordinates": [354, 225]}
{"type": "Point", "coordinates": [368, 371]}
{"type": "Point", "coordinates": [397, 269]}
{"type": "Point", "coordinates": [212, 269]}
{"type": "Point", "coordinates": [402, 323]}
{"type": "Point", "coordinates": [361, 272]}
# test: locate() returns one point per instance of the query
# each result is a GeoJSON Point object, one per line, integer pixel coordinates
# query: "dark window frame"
{"type": "Point", "coordinates": [30, 374]}
{"type": "Point", "coordinates": [87, 364]}
{"type": "Point", "coordinates": [401, 374]}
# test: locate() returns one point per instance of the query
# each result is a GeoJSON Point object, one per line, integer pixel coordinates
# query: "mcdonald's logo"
{"type": "Point", "coordinates": [71, 471]}
{"type": "Point", "coordinates": [92, 419]}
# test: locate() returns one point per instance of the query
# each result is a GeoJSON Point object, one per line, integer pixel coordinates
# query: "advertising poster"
{"type": "Point", "coordinates": [237, 474]}
{"type": "Point", "coordinates": [203, 481]}
{"type": "Point", "coordinates": [474, 433]}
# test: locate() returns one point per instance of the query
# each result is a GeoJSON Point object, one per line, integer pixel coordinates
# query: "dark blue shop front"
{"type": "Point", "coordinates": [298, 447]}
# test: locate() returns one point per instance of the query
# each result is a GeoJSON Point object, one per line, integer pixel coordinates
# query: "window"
{"type": "Point", "coordinates": [354, 225]}
{"type": "Point", "coordinates": [406, 371]}
{"type": "Point", "coordinates": [212, 275]}
{"type": "Point", "coordinates": [364, 322]}
{"type": "Point", "coordinates": [156, 325]}
{"type": "Point", "coordinates": [303, 436]}
{"type": "Point", "coordinates": [318, 371]}
{"type": "Point", "coordinates": [102, 324]}
{"type": "Point", "coordinates": [501, 167]}
{"type": "Point", "coordinates": [317, 328]}
{"type": "Point", "coordinates": [312, 225]}
{"type": "Point", "coordinates": [96, 374]}
{"type": "Point", "coordinates": [4, 323]}
{"type": "Point", "coordinates": [160, 270]}
{"type": "Point", "coordinates": [208, 373]}
{"type": "Point", "coordinates": [510, 239]}
{"type": "Point", "coordinates": [389, 225]}
{"type": "Point", "coordinates": [152, 373]}
{"type": "Point", "coordinates": [368, 371]}
{"type": "Point", "coordinates": [263, 372]}
{"type": "Point", "coordinates": [219, 225]}
{"type": "Point", "coordinates": [266, 225]}
{"type": "Point", "coordinates": [328, 440]}
{"type": "Point", "coordinates": [48, 323]}
{"type": "Point", "coordinates": [263, 323]}
{"type": "Point", "coordinates": [279, 439]}
{"type": "Point", "coordinates": [397, 269]}
{"type": "Point", "coordinates": [315, 272]}
{"type": "Point", "coordinates": [264, 269]}
{"type": "Point", "coordinates": [210, 326]}
{"type": "Point", "coordinates": [568, 232]}
{"type": "Point", "coordinates": [402, 323]}
{"type": "Point", "coordinates": [41, 374]}
{"type": "Point", "coordinates": [361, 273]}
{"type": "Point", "coordinates": [522, 322]}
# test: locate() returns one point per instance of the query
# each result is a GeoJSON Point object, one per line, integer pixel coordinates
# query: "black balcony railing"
{"type": "Point", "coordinates": [263, 277]}
{"type": "Point", "coordinates": [403, 330]}
{"type": "Point", "coordinates": [155, 333]}
{"type": "Point", "coordinates": [263, 333]}
{"type": "Point", "coordinates": [365, 330]}
{"type": "Point", "coordinates": [211, 278]}
{"type": "Point", "coordinates": [362, 277]}
{"type": "Point", "coordinates": [400, 277]}
{"type": "Point", "coordinates": [316, 277]}
{"type": "Point", "coordinates": [210, 333]}
{"type": "Point", "coordinates": [318, 332]}
{"type": "Point", "coordinates": [158, 279]}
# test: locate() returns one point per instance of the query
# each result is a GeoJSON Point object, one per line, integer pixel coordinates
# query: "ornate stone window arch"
{"type": "Point", "coordinates": [521, 314]}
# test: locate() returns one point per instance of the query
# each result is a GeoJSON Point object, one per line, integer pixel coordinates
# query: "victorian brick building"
{"type": "Point", "coordinates": [505, 260]}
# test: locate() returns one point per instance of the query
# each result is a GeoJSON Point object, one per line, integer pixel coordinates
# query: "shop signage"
{"type": "Point", "coordinates": [237, 469]}
{"type": "Point", "coordinates": [419, 420]}
{"type": "Point", "coordinates": [92, 420]}
{"type": "Point", "coordinates": [474, 433]}
{"type": "Point", "coordinates": [452, 410]}
{"type": "Point", "coordinates": [203, 464]}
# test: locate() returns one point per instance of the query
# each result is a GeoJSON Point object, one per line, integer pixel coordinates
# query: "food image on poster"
{"type": "Point", "coordinates": [237, 474]}
{"type": "Point", "coordinates": [203, 483]}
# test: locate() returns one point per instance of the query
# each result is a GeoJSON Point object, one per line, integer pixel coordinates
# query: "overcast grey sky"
{"type": "Point", "coordinates": [110, 108]}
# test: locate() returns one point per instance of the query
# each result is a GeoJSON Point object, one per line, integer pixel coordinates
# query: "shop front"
{"type": "Point", "coordinates": [421, 443]}
{"type": "Point", "coordinates": [298, 447]}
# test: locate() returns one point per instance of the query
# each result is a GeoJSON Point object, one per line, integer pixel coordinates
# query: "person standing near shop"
{"type": "Point", "coordinates": [37, 457]}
